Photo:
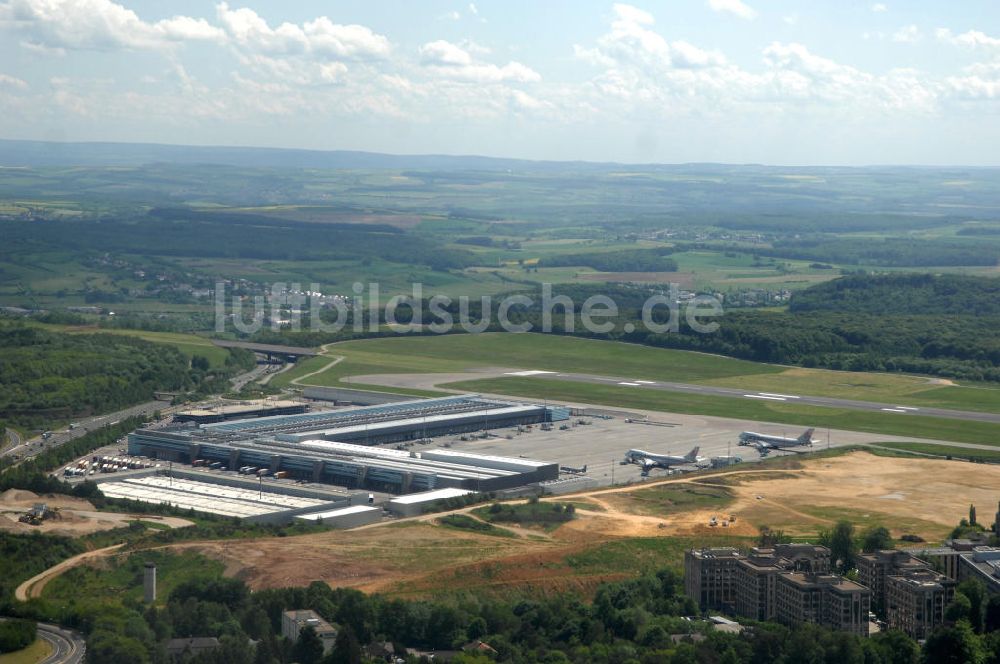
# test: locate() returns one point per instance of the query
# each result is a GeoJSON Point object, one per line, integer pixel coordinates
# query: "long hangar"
{"type": "Point", "coordinates": [337, 447]}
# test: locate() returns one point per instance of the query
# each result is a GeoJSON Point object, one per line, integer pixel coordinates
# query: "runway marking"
{"type": "Point", "coordinates": [535, 372]}
{"type": "Point", "coordinates": [894, 410]}
{"type": "Point", "coordinates": [764, 396]}
{"type": "Point", "coordinates": [783, 396]}
{"type": "Point", "coordinates": [646, 382]}
{"type": "Point", "coordinates": [630, 384]}
{"type": "Point", "coordinates": [907, 408]}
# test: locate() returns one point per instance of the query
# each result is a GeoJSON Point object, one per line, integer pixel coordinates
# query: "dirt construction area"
{"type": "Point", "coordinates": [71, 517]}
{"type": "Point", "coordinates": [922, 497]}
{"type": "Point", "coordinates": [909, 496]}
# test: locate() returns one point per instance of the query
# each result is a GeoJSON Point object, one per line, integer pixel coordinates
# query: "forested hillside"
{"type": "Point", "coordinates": [51, 376]}
{"type": "Point", "coordinates": [903, 294]}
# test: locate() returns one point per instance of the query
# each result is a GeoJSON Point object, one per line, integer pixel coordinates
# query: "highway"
{"type": "Point", "coordinates": [10, 440]}
{"type": "Point", "coordinates": [36, 445]}
{"type": "Point", "coordinates": [68, 647]}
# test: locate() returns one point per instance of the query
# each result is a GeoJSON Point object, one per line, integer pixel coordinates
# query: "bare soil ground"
{"type": "Point", "coordinates": [917, 496]}
{"type": "Point", "coordinates": [76, 517]}
{"type": "Point", "coordinates": [369, 559]}
{"type": "Point", "coordinates": [416, 557]}
{"type": "Point", "coordinates": [924, 497]}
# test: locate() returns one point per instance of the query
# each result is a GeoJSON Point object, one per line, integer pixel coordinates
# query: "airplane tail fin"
{"type": "Point", "coordinates": [806, 438]}
{"type": "Point", "coordinates": [584, 469]}
{"type": "Point", "coordinates": [692, 455]}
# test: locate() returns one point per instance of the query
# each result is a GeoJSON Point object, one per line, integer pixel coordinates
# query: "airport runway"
{"type": "Point", "coordinates": [828, 402]}
{"type": "Point", "coordinates": [431, 381]}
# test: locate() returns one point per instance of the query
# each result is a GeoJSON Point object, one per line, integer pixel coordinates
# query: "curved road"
{"type": "Point", "coordinates": [33, 587]}
{"type": "Point", "coordinates": [68, 647]}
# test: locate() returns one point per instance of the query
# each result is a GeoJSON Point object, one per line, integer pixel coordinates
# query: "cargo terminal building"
{"type": "Point", "coordinates": [337, 447]}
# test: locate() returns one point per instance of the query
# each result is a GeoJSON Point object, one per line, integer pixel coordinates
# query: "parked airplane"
{"type": "Point", "coordinates": [764, 442]}
{"type": "Point", "coordinates": [571, 469]}
{"type": "Point", "coordinates": [649, 461]}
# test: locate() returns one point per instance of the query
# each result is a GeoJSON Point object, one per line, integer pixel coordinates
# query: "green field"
{"type": "Point", "coordinates": [666, 499]}
{"type": "Point", "coordinates": [458, 353]}
{"type": "Point", "coordinates": [992, 456]}
{"type": "Point", "coordinates": [783, 412]}
{"type": "Point", "coordinates": [34, 653]}
{"type": "Point", "coordinates": [451, 353]}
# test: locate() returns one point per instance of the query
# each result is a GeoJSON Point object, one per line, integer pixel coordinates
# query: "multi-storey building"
{"type": "Point", "coordinates": [916, 601]}
{"type": "Point", "coordinates": [873, 568]}
{"type": "Point", "coordinates": [824, 599]}
{"type": "Point", "coordinates": [801, 557]}
{"type": "Point", "coordinates": [756, 577]}
{"type": "Point", "coordinates": [709, 577]}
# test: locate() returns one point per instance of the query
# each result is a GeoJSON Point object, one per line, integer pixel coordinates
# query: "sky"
{"type": "Point", "coordinates": [738, 81]}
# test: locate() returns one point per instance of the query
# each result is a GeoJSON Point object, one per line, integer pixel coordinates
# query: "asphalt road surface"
{"type": "Point", "coordinates": [68, 647]}
{"type": "Point", "coordinates": [36, 445]}
{"type": "Point", "coordinates": [829, 402]}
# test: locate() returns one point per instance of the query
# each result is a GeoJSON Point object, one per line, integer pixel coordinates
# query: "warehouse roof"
{"type": "Point", "coordinates": [354, 509]}
{"type": "Point", "coordinates": [430, 496]}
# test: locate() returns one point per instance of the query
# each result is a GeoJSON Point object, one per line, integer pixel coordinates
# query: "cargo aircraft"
{"type": "Point", "coordinates": [649, 461]}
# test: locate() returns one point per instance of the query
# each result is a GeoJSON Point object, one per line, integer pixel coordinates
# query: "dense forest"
{"type": "Point", "coordinates": [903, 294]}
{"type": "Point", "coordinates": [888, 252]}
{"type": "Point", "coordinates": [638, 621]}
{"type": "Point", "coordinates": [224, 235]}
{"type": "Point", "coordinates": [50, 376]}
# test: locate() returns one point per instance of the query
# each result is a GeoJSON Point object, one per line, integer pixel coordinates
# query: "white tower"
{"type": "Point", "coordinates": [149, 584]}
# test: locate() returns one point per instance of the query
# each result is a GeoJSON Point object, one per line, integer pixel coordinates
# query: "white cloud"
{"type": "Point", "coordinates": [321, 36]}
{"type": "Point", "coordinates": [473, 9]}
{"type": "Point", "coordinates": [632, 40]}
{"type": "Point", "coordinates": [12, 82]}
{"type": "Point", "coordinates": [443, 53]}
{"type": "Point", "coordinates": [970, 39]}
{"type": "Point", "coordinates": [734, 7]}
{"type": "Point", "coordinates": [879, 7]}
{"type": "Point", "coordinates": [790, 19]}
{"type": "Point", "coordinates": [631, 14]}
{"type": "Point", "coordinates": [908, 34]}
{"type": "Point", "coordinates": [452, 61]}
{"type": "Point", "coordinates": [97, 25]}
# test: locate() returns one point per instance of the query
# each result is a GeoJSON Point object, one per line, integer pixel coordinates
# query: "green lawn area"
{"type": "Point", "coordinates": [461, 352]}
{"type": "Point", "coordinates": [669, 499]}
{"type": "Point", "coordinates": [36, 652]}
{"type": "Point", "coordinates": [992, 456]}
{"type": "Point", "coordinates": [918, 426]}
{"type": "Point", "coordinates": [644, 554]}
{"type": "Point", "coordinates": [467, 523]}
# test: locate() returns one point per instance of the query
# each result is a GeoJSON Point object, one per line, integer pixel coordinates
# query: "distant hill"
{"type": "Point", "coordinates": [43, 153]}
{"type": "Point", "coordinates": [903, 294]}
